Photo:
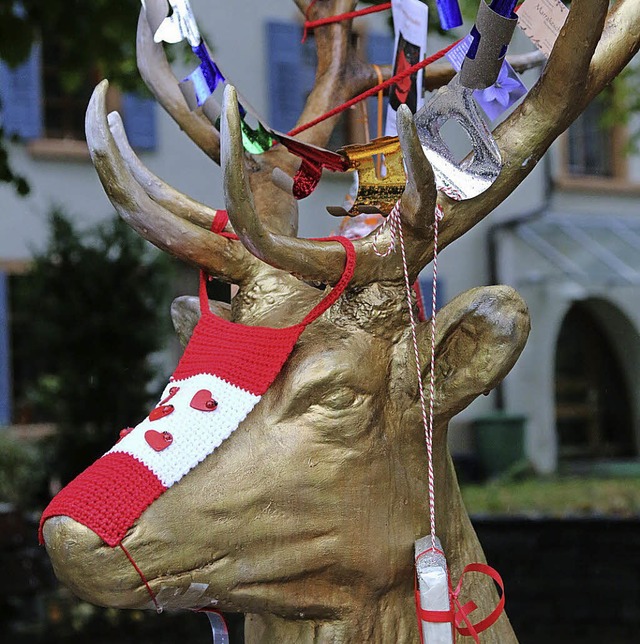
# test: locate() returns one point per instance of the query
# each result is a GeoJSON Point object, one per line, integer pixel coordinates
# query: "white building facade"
{"type": "Point", "coordinates": [556, 238]}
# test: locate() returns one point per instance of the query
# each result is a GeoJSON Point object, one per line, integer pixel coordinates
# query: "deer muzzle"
{"type": "Point", "coordinates": [92, 570]}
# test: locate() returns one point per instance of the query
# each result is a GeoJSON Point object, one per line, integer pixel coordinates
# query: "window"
{"type": "Point", "coordinates": [590, 149]}
{"type": "Point", "coordinates": [291, 76]}
{"type": "Point", "coordinates": [36, 107]}
{"type": "Point", "coordinates": [63, 110]}
{"type": "Point", "coordinates": [594, 154]}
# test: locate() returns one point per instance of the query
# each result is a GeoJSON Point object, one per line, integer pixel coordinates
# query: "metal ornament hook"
{"type": "Point", "coordinates": [475, 174]}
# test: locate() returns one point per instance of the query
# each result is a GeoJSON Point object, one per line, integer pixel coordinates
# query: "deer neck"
{"type": "Point", "coordinates": [462, 547]}
{"type": "Point", "coordinates": [379, 619]}
{"type": "Point", "coordinates": [381, 615]}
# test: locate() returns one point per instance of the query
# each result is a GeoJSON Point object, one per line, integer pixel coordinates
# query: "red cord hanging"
{"type": "Point", "coordinates": [309, 25]}
{"type": "Point", "coordinates": [374, 90]}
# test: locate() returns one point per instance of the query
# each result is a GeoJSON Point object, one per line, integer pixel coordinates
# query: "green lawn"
{"type": "Point", "coordinates": [556, 497]}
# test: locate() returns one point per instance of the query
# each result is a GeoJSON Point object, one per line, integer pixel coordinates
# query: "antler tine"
{"type": "Point", "coordinates": [418, 203]}
{"type": "Point", "coordinates": [315, 261]}
{"type": "Point", "coordinates": [419, 198]}
{"type": "Point", "coordinates": [158, 77]}
{"type": "Point", "coordinates": [162, 193]}
{"type": "Point", "coordinates": [340, 74]}
{"type": "Point", "coordinates": [323, 261]}
{"type": "Point", "coordinates": [619, 43]}
{"type": "Point", "coordinates": [217, 255]}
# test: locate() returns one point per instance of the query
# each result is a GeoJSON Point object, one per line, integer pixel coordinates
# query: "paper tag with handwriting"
{"type": "Point", "coordinates": [542, 21]}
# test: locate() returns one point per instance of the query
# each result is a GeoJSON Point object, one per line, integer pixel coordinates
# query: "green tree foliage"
{"type": "Point", "coordinates": [22, 475]}
{"type": "Point", "coordinates": [90, 315]}
{"type": "Point", "coordinates": [96, 37]}
{"type": "Point", "coordinates": [92, 35]}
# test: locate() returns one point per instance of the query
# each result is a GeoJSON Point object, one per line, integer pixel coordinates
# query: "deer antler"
{"type": "Point", "coordinates": [577, 70]}
{"type": "Point", "coordinates": [187, 241]}
{"type": "Point", "coordinates": [161, 81]}
{"type": "Point", "coordinates": [340, 74]}
{"type": "Point", "coordinates": [573, 76]}
{"type": "Point", "coordinates": [323, 261]}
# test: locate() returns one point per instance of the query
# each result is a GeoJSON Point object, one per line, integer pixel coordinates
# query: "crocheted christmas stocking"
{"type": "Point", "coordinates": [225, 370]}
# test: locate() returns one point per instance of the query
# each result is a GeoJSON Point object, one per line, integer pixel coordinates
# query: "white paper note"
{"type": "Point", "coordinates": [410, 24]}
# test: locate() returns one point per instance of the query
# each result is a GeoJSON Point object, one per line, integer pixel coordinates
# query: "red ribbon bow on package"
{"type": "Point", "coordinates": [458, 615]}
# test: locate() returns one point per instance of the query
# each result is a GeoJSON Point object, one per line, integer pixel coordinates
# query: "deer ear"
{"type": "Point", "coordinates": [479, 336]}
{"type": "Point", "coordinates": [185, 313]}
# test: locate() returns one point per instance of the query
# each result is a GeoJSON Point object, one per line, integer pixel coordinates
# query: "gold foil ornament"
{"type": "Point", "coordinates": [380, 182]}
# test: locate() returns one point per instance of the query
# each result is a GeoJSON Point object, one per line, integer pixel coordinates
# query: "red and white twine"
{"type": "Point", "coordinates": [394, 224]}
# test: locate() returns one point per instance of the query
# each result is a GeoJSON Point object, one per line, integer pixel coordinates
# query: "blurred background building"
{"type": "Point", "coordinates": [568, 238]}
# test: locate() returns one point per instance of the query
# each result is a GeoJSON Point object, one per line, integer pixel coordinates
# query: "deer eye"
{"type": "Point", "coordinates": [343, 398]}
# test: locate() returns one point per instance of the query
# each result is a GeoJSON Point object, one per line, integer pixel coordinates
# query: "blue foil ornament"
{"type": "Point", "coordinates": [449, 13]}
{"type": "Point", "coordinates": [206, 77]}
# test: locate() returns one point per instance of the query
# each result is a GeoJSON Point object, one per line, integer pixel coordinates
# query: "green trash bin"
{"type": "Point", "coordinates": [499, 441]}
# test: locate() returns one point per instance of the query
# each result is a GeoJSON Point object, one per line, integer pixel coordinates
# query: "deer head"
{"type": "Point", "coordinates": [305, 516]}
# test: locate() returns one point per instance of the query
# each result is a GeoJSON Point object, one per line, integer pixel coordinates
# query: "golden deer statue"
{"type": "Point", "coordinates": [305, 517]}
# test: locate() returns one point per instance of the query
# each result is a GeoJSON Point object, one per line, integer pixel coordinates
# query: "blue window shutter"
{"type": "Point", "coordinates": [291, 73]}
{"type": "Point", "coordinates": [5, 370]}
{"type": "Point", "coordinates": [139, 118]}
{"type": "Point", "coordinates": [379, 52]}
{"type": "Point", "coordinates": [307, 70]}
{"type": "Point", "coordinates": [21, 96]}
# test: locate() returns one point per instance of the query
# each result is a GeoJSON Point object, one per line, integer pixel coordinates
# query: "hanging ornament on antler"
{"type": "Point", "coordinates": [180, 24]}
{"type": "Point", "coordinates": [491, 35]}
{"type": "Point", "coordinates": [449, 14]}
{"type": "Point", "coordinates": [410, 26]}
{"type": "Point", "coordinates": [380, 185]}
{"type": "Point", "coordinates": [172, 21]}
{"type": "Point", "coordinates": [314, 160]}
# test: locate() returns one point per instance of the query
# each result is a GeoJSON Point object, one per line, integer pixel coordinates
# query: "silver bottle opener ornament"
{"type": "Point", "coordinates": [475, 174]}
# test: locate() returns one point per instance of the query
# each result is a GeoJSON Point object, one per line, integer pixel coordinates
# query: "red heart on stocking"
{"type": "Point", "coordinates": [203, 401]}
{"type": "Point", "coordinates": [158, 440]}
{"type": "Point", "coordinates": [124, 432]}
{"type": "Point", "coordinates": [172, 392]}
{"type": "Point", "coordinates": [161, 412]}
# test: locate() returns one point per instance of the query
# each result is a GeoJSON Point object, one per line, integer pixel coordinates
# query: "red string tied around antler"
{"type": "Point", "coordinates": [310, 25]}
